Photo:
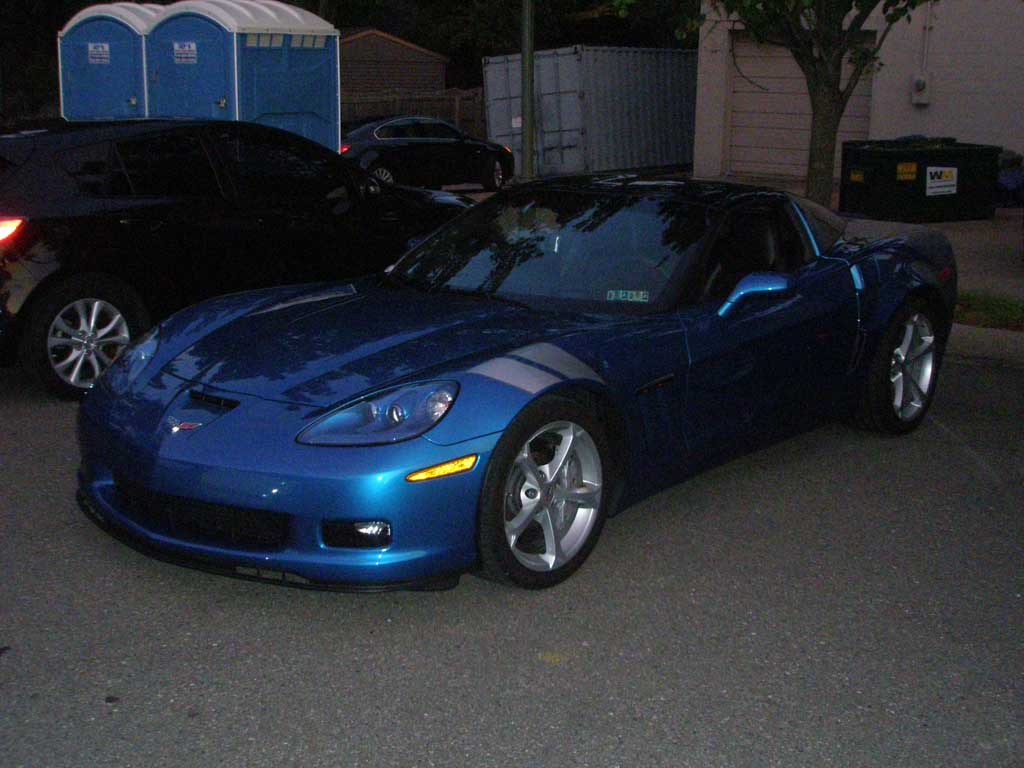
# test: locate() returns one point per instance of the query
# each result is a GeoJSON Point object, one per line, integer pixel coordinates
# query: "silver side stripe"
{"type": "Point", "coordinates": [515, 374]}
{"type": "Point", "coordinates": [529, 378]}
{"type": "Point", "coordinates": [557, 359]}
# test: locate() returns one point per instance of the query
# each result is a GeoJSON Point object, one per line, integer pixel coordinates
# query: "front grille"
{"type": "Point", "coordinates": [202, 522]}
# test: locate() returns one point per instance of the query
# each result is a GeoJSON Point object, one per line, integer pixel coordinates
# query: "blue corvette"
{"type": "Point", "coordinates": [543, 361]}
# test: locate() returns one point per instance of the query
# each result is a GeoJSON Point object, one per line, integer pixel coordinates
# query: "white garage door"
{"type": "Point", "coordinates": [770, 118]}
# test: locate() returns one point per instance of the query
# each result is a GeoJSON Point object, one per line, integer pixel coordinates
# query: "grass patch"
{"type": "Point", "coordinates": [989, 311]}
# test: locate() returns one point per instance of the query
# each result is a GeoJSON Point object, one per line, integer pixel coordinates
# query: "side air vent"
{"type": "Point", "coordinates": [205, 397]}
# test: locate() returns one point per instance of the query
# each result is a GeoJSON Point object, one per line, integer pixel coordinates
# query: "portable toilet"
{"type": "Point", "coordinates": [257, 60]}
{"type": "Point", "coordinates": [102, 58]}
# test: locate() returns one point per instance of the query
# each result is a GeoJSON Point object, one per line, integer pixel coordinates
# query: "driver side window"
{"type": "Point", "coordinates": [748, 242]}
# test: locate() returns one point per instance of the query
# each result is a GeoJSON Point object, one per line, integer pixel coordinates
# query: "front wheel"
{"type": "Point", "coordinates": [384, 174]}
{"type": "Point", "coordinates": [904, 371]}
{"type": "Point", "coordinates": [545, 496]}
{"type": "Point", "coordinates": [77, 329]}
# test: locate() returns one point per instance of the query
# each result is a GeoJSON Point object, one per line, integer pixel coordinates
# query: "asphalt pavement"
{"type": "Point", "coordinates": [838, 599]}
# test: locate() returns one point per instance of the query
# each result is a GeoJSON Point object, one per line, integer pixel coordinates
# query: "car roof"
{"type": "Point", "coordinates": [674, 183]}
{"type": "Point", "coordinates": [370, 124]}
{"type": "Point", "coordinates": [59, 132]}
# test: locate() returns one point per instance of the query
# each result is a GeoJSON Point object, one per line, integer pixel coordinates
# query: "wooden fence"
{"type": "Point", "coordinates": [462, 108]}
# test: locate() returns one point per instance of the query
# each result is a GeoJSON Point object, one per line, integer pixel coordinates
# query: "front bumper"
{"type": "Point", "coordinates": [246, 461]}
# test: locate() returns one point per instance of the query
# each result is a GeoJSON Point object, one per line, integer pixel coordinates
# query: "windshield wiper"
{"type": "Point", "coordinates": [484, 295]}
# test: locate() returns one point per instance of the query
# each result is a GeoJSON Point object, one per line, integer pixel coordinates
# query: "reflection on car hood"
{"type": "Point", "coordinates": [335, 343]}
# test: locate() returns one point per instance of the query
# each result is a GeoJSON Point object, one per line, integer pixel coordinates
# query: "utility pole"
{"type": "Point", "coordinates": [526, 162]}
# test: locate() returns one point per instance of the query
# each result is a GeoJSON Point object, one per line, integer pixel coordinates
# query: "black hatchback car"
{"type": "Point", "coordinates": [426, 152]}
{"type": "Point", "coordinates": [107, 227]}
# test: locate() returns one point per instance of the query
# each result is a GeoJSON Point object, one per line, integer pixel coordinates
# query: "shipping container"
{"type": "Point", "coordinates": [101, 54]}
{"type": "Point", "coordinates": [256, 60]}
{"type": "Point", "coordinates": [597, 108]}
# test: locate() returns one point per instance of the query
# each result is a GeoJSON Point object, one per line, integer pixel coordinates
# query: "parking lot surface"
{"type": "Point", "coordinates": [836, 599]}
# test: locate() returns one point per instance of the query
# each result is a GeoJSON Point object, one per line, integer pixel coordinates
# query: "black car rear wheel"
{"type": "Point", "coordinates": [494, 176]}
{"type": "Point", "coordinates": [77, 329]}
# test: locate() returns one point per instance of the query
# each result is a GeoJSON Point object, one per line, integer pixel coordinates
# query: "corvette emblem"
{"type": "Point", "coordinates": [177, 425]}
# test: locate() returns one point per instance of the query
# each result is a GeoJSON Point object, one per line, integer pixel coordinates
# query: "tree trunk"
{"type": "Point", "coordinates": [826, 112]}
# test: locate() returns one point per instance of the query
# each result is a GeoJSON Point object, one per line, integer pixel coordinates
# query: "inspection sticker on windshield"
{"type": "Point", "coordinates": [639, 296]}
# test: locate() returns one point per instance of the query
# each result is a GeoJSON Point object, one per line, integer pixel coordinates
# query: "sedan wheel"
{"type": "Point", "coordinates": [545, 495]}
{"type": "Point", "coordinates": [384, 174]}
{"type": "Point", "coordinates": [494, 177]}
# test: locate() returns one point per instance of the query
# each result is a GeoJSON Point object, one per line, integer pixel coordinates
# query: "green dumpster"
{"type": "Point", "coordinates": [919, 179]}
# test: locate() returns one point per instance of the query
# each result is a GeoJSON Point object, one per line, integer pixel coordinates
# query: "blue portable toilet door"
{"type": "Point", "coordinates": [101, 71]}
{"type": "Point", "coordinates": [191, 69]}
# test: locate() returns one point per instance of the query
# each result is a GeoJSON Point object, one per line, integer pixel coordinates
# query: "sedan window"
{"type": "Point", "coordinates": [434, 130]}
{"type": "Point", "coordinates": [95, 170]}
{"type": "Point", "coordinates": [268, 165]}
{"type": "Point", "coordinates": [169, 164]}
{"type": "Point", "coordinates": [399, 129]}
{"type": "Point", "coordinates": [617, 252]}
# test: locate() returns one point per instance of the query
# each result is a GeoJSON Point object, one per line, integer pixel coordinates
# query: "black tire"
{"type": "Point", "coordinates": [34, 351]}
{"type": "Point", "coordinates": [497, 560]}
{"type": "Point", "coordinates": [488, 178]}
{"type": "Point", "coordinates": [876, 410]}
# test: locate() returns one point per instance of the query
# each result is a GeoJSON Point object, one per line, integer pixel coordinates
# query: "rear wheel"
{"type": "Point", "coordinates": [77, 329]}
{"type": "Point", "coordinates": [544, 501]}
{"type": "Point", "coordinates": [903, 374]}
{"type": "Point", "coordinates": [494, 176]}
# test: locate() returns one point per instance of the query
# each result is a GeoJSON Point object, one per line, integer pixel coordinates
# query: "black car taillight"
{"type": "Point", "coordinates": [8, 226]}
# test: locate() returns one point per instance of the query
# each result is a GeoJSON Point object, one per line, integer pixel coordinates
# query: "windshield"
{"type": "Point", "coordinates": [610, 251]}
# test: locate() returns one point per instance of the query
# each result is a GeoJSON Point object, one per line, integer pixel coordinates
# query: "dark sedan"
{"type": "Point", "coordinates": [426, 152]}
{"type": "Point", "coordinates": [105, 227]}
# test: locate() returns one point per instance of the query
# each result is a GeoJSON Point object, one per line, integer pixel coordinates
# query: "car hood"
{"type": "Point", "coordinates": [332, 344]}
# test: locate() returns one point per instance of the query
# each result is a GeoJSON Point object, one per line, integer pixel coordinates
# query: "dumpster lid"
{"type": "Point", "coordinates": [138, 16]}
{"type": "Point", "coordinates": [242, 16]}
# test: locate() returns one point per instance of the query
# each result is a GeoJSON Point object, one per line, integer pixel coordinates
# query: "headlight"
{"type": "Point", "coordinates": [386, 417]}
{"type": "Point", "coordinates": [130, 363]}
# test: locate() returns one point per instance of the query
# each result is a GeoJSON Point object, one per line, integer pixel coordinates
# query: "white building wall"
{"type": "Point", "coordinates": [973, 50]}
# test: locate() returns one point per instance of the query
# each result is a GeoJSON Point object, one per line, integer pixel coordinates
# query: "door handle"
{"type": "Point", "coordinates": [221, 103]}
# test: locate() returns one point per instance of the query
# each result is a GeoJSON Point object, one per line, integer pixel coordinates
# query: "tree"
{"type": "Point", "coordinates": [821, 35]}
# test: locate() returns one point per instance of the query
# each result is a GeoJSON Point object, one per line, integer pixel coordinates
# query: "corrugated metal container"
{"type": "Point", "coordinates": [596, 108]}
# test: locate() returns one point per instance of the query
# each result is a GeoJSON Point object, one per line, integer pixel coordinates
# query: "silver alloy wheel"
{"type": "Point", "coordinates": [84, 338]}
{"type": "Point", "coordinates": [383, 174]}
{"type": "Point", "coordinates": [499, 175]}
{"type": "Point", "coordinates": [912, 367]}
{"type": "Point", "coordinates": [552, 496]}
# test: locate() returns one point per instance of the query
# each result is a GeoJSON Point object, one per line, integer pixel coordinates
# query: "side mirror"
{"type": "Point", "coordinates": [757, 284]}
